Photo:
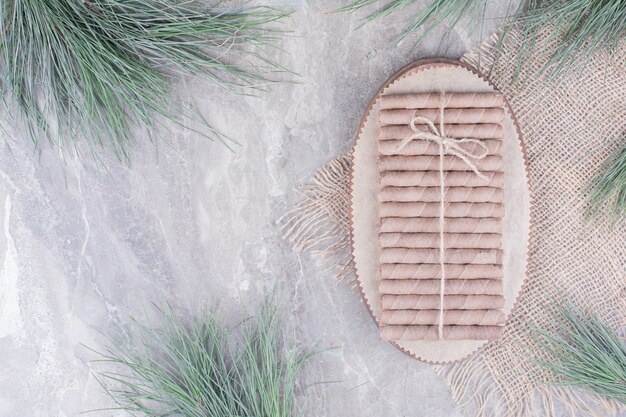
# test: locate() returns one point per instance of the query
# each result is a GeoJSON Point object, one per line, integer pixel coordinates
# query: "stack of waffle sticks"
{"type": "Point", "coordinates": [414, 306]}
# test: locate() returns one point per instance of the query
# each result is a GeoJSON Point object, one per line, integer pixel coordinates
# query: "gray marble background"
{"type": "Point", "coordinates": [82, 250]}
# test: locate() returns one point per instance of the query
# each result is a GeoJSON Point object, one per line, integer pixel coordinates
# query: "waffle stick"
{"type": "Point", "coordinates": [407, 333]}
{"type": "Point", "coordinates": [450, 302]}
{"type": "Point", "coordinates": [452, 194]}
{"type": "Point", "coordinates": [450, 317]}
{"type": "Point", "coordinates": [457, 131]}
{"type": "Point", "coordinates": [431, 225]}
{"type": "Point", "coordinates": [433, 286]}
{"type": "Point", "coordinates": [433, 271]}
{"type": "Point", "coordinates": [431, 163]}
{"type": "Point", "coordinates": [431, 256]}
{"type": "Point", "coordinates": [491, 115]}
{"type": "Point", "coordinates": [424, 147]}
{"type": "Point", "coordinates": [432, 240]}
{"type": "Point", "coordinates": [463, 210]}
{"type": "Point", "coordinates": [431, 179]}
{"type": "Point", "coordinates": [433, 100]}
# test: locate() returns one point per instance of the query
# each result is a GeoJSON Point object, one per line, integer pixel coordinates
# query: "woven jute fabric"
{"type": "Point", "coordinates": [569, 129]}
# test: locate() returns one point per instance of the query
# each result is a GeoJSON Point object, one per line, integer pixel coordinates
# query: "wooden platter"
{"type": "Point", "coordinates": [433, 75]}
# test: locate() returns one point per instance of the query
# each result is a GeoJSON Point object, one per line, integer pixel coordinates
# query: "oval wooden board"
{"type": "Point", "coordinates": [434, 75]}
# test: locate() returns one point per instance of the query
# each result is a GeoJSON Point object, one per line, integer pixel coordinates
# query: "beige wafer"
{"type": "Point", "coordinates": [431, 179]}
{"type": "Point", "coordinates": [431, 256]}
{"type": "Point", "coordinates": [433, 271]}
{"type": "Point", "coordinates": [450, 317]}
{"type": "Point", "coordinates": [431, 225]}
{"type": "Point", "coordinates": [432, 194]}
{"type": "Point", "coordinates": [452, 116]}
{"type": "Point", "coordinates": [432, 240]}
{"type": "Point", "coordinates": [431, 163]}
{"type": "Point", "coordinates": [467, 130]}
{"type": "Point", "coordinates": [403, 333]}
{"type": "Point", "coordinates": [424, 147]}
{"type": "Point", "coordinates": [433, 100]}
{"type": "Point", "coordinates": [450, 302]}
{"type": "Point", "coordinates": [404, 209]}
{"type": "Point", "coordinates": [432, 286]}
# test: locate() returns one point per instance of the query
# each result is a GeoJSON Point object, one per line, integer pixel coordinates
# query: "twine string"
{"type": "Point", "coordinates": [447, 146]}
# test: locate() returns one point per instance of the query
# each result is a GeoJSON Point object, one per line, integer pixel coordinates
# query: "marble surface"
{"type": "Point", "coordinates": [82, 249]}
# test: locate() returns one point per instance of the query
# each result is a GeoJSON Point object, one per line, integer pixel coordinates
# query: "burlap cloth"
{"type": "Point", "coordinates": [569, 130]}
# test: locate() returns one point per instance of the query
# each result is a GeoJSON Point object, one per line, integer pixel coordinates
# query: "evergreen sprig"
{"type": "Point", "coordinates": [584, 353]}
{"type": "Point", "coordinates": [577, 30]}
{"type": "Point", "coordinates": [608, 190]}
{"type": "Point", "coordinates": [203, 369]}
{"type": "Point", "coordinates": [438, 11]}
{"type": "Point", "coordinates": [95, 71]}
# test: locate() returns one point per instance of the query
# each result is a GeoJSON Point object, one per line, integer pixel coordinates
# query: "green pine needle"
{"type": "Point", "coordinates": [438, 11]}
{"type": "Point", "coordinates": [608, 190]}
{"type": "Point", "coordinates": [202, 369]}
{"type": "Point", "coordinates": [94, 71]}
{"type": "Point", "coordinates": [584, 353]}
{"type": "Point", "coordinates": [580, 29]}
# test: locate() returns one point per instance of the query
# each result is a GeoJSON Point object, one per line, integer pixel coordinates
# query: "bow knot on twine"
{"type": "Point", "coordinates": [447, 146]}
